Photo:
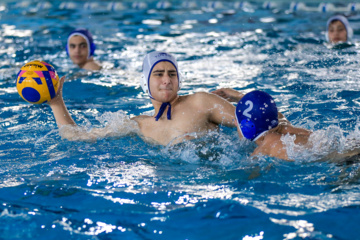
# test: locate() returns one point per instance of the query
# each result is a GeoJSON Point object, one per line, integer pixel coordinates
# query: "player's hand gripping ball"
{"type": "Point", "coordinates": [37, 82]}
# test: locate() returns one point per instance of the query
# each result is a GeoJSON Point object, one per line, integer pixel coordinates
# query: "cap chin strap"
{"type": "Point", "coordinates": [162, 110]}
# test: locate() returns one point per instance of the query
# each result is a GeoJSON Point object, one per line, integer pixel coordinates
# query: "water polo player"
{"type": "Point", "coordinates": [185, 115]}
{"type": "Point", "coordinates": [338, 30]}
{"type": "Point", "coordinates": [80, 47]}
{"type": "Point", "coordinates": [257, 119]}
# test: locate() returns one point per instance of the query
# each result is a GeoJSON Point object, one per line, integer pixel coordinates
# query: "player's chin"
{"type": "Point", "coordinates": [78, 60]}
{"type": "Point", "coordinates": [168, 96]}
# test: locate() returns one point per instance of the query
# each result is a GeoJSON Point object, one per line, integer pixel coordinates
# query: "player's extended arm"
{"type": "Point", "coordinates": [272, 145]}
{"type": "Point", "coordinates": [61, 114]}
{"type": "Point", "coordinates": [69, 130]}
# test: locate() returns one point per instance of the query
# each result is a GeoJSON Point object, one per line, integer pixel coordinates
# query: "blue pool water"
{"type": "Point", "coordinates": [209, 188]}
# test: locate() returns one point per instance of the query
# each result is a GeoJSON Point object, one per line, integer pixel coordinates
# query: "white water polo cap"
{"type": "Point", "coordinates": [343, 20]}
{"type": "Point", "coordinates": [150, 60]}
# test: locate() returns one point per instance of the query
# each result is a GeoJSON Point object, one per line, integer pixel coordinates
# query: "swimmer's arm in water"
{"type": "Point", "coordinates": [271, 144]}
{"type": "Point", "coordinates": [285, 127]}
{"type": "Point", "coordinates": [348, 155]}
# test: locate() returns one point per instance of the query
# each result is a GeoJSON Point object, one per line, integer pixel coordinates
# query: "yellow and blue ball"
{"type": "Point", "coordinates": [37, 82]}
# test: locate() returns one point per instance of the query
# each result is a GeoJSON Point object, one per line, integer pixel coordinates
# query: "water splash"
{"type": "Point", "coordinates": [328, 144]}
{"type": "Point", "coordinates": [119, 124]}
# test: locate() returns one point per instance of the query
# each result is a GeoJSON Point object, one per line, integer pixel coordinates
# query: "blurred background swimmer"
{"type": "Point", "coordinates": [257, 119]}
{"type": "Point", "coordinates": [338, 30]}
{"type": "Point", "coordinates": [80, 47]}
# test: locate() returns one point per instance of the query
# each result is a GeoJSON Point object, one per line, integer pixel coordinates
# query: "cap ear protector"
{"type": "Point", "coordinates": [256, 113]}
{"type": "Point", "coordinates": [150, 60]}
{"type": "Point", "coordinates": [143, 84]}
{"type": "Point", "coordinates": [248, 128]}
{"type": "Point", "coordinates": [88, 38]}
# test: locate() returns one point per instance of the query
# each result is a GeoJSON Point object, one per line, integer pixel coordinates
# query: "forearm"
{"type": "Point", "coordinates": [229, 94]}
{"type": "Point", "coordinates": [61, 114]}
{"type": "Point", "coordinates": [121, 126]}
{"type": "Point", "coordinates": [236, 97]}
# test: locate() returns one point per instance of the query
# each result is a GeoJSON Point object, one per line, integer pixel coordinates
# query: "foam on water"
{"type": "Point", "coordinates": [324, 144]}
{"type": "Point", "coordinates": [119, 124]}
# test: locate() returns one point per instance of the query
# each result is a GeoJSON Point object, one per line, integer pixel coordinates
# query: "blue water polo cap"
{"type": "Point", "coordinates": [256, 113]}
{"type": "Point", "coordinates": [87, 36]}
{"type": "Point", "coordinates": [341, 18]}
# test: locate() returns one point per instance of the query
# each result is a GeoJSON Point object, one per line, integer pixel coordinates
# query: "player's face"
{"type": "Point", "coordinates": [337, 32]}
{"type": "Point", "coordinates": [78, 50]}
{"type": "Point", "coordinates": [164, 82]}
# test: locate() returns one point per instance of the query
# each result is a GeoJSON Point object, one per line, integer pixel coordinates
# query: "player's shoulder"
{"type": "Point", "coordinates": [198, 99]}
{"type": "Point", "coordinates": [141, 118]}
{"type": "Point", "coordinates": [200, 96]}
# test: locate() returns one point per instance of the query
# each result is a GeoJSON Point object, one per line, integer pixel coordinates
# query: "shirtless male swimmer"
{"type": "Point", "coordinates": [185, 115]}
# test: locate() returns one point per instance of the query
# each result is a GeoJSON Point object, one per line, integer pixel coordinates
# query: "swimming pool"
{"type": "Point", "coordinates": [209, 188]}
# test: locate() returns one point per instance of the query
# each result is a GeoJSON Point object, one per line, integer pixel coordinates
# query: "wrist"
{"type": "Point", "coordinates": [54, 103]}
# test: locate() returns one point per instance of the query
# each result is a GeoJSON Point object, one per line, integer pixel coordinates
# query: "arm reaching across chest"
{"type": "Point", "coordinates": [219, 110]}
{"type": "Point", "coordinates": [228, 94]}
{"type": "Point", "coordinates": [232, 95]}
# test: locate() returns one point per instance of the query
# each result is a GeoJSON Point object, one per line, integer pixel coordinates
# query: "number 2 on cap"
{"type": "Point", "coordinates": [246, 112]}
